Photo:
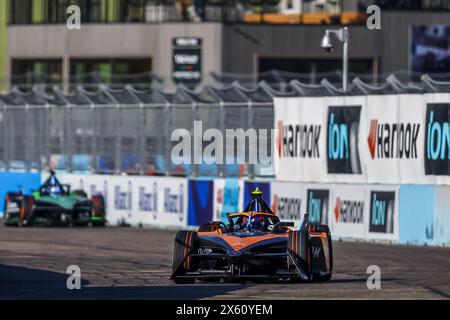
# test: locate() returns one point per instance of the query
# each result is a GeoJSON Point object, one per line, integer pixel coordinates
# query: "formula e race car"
{"type": "Point", "coordinates": [54, 204]}
{"type": "Point", "coordinates": [253, 246]}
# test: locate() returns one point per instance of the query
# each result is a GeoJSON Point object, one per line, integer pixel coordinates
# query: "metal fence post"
{"type": "Point", "coordinates": [48, 110]}
{"type": "Point", "coordinates": [195, 167]}
{"type": "Point", "coordinates": [41, 130]}
{"type": "Point", "coordinates": [222, 129]}
{"type": "Point", "coordinates": [28, 139]}
{"type": "Point", "coordinates": [93, 123]}
{"type": "Point", "coordinates": [5, 138]}
{"type": "Point", "coordinates": [68, 145]}
{"type": "Point", "coordinates": [141, 139]}
{"type": "Point", "coordinates": [118, 144]}
{"type": "Point", "coordinates": [250, 125]}
{"type": "Point", "coordinates": [167, 135]}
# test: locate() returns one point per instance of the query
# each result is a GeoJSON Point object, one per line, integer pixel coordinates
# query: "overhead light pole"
{"type": "Point", "coordinates": [342, 35]}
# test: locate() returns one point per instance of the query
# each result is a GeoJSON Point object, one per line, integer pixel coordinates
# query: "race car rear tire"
{"type": "Point", "coordinates": [98, 210]}
{"type": "Point", "coordinates": [185, 242]}
{"type": "Point", "coordinates": [28, 205]}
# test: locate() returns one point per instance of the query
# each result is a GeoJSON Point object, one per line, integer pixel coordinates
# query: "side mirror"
{"type": "Point", "coordinates": [286, 224]}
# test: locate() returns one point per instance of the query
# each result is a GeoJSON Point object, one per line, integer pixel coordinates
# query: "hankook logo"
{"type": "Point", "coordinates": [393, 140]}
{"type": "Point", "coordinates": [298, 141]}
{"type": "Point", "coordinates": [349, 211]}
{"type": "Point", "coordinates": [287, 208]}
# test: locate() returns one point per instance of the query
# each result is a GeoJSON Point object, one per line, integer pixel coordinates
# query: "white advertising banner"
{"type": "Point", "coordinates": [386, 139]}
{"type": "Point", "coordinates": [348, 215]}
{"type": "Point", "coordinates": [154, 201]}
{"type": "Point", "coordinates": [288, 201]}
{"type": "Point", "coordinates": [318, 139]}
{"type": "Point", "coordinates": [394, 148]}
{"type": "Point", "coordinates": [300, 139]}
{"type": "Point", "coordinates": [160, 202]}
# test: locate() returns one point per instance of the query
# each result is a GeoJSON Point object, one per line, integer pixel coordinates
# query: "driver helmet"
{"type": "Point", "coordinates": [257, 222]}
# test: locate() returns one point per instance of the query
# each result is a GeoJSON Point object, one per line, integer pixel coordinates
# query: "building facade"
{"type": "Point", "coordinates": [121, 40]}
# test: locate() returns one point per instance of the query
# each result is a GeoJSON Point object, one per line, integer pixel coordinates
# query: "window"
{"type": "Point", "coordinates": [20, 12]}
{"type": "Point", "coordinates": [26, 72]}
{"type": "Point", "coordinates": [114, 71]}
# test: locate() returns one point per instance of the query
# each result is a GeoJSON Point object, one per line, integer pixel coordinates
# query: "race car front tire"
{"type": "Point", "coordinates": [185, 242]}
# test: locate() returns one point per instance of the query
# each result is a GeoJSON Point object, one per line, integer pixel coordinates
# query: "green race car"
{"type": "Point", "coordinates": [54, 204]}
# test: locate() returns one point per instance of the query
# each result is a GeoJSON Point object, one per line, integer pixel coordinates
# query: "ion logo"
{"type": "Point", "coordinates": [437, 139]}
{"type": "Point", "coordinates": [317, 205]}
{"type": "Point", "coordinates": [298, 141]}
{"type": "Point", "coordinates": [287, 208]}
{"type": "Point", "coordinates": [148, 201]}
{"type": "Point", "coordinates": [396, 140]}
{"type": "Point", "coordinates": [230, 198]}
{"type": "Point", "coordinates": [382, 210]}
{"type": "Point", "coordinates": [342, 140]}
{"type": "Point", "coordinates": [174, 202]}
{"type": "Point", "coordinates": [349, 211]}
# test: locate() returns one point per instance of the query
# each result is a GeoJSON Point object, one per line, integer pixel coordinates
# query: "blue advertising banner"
{"type": "Point", "coordinates": [16, 181]}
{"type": "Point", "coordinates": [264, 187]}
{"type": "Point", "coordinates": [416, 220]}
{"type": "Point", "coordinates": [227, 198]}
{"type": "Point", "coordinates": [200, 203]}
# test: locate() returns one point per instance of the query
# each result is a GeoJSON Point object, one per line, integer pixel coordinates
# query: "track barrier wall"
{"type": "Point", "coordinates": [405, 214]}
{"type": "Point", "coordinates": [384, 139]}
{"type": "Point", "coordinates": [374, 168]}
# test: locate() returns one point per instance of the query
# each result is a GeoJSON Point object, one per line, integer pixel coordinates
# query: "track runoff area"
{"type": "Point", "coordinates": [131, 263]}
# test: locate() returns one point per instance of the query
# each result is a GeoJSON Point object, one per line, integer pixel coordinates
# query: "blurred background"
{"type": "Point", "coordinates": [219, 61]}
{"type": "Point", "coordinates": [132, 41]}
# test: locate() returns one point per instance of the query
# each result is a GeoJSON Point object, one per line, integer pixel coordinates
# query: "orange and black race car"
{"type": "Point", "coordinates": [253, 246]}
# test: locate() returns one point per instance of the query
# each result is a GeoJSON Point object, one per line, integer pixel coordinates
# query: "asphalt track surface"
{"type": "Point", "coordinates": [129, 263]}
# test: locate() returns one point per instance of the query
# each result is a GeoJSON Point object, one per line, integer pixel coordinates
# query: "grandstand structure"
{"type": "Point", "coordinates": [113, 130]}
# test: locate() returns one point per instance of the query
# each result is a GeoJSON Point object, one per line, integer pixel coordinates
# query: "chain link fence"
{"type": "Point", "coordinates": [128, 130]}
{"type": "Point", "coordinates": [123, 131]}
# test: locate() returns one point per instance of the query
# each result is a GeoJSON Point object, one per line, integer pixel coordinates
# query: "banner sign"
{"type": "Point", "coordinates": [342, 139]}
{"type": "Point", "coordinates": [300, 139]}
{"type": "Point", "coordinates": [387, 139]}
{"type": "Point", "coordinates": [357, 211]}
{"type": "Point", "coordinates": [187, 60]}
{"type": "Point", "coordinates": [151, 201]}
{"type": "Point", "coordinates": [288, 201]}
{"type": "Point", "coordinates": [383, 218]}
{"type": "Point", "coordinates": [348, 211]}
{"type": "Point", "coordinates": [200, 203]}
{"type": "Point", "coordinates": [228, 198]}
{"type": "Point", "coordinates": [437, 139]}
{"type": "Point", "coordinates": [317, 204]}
